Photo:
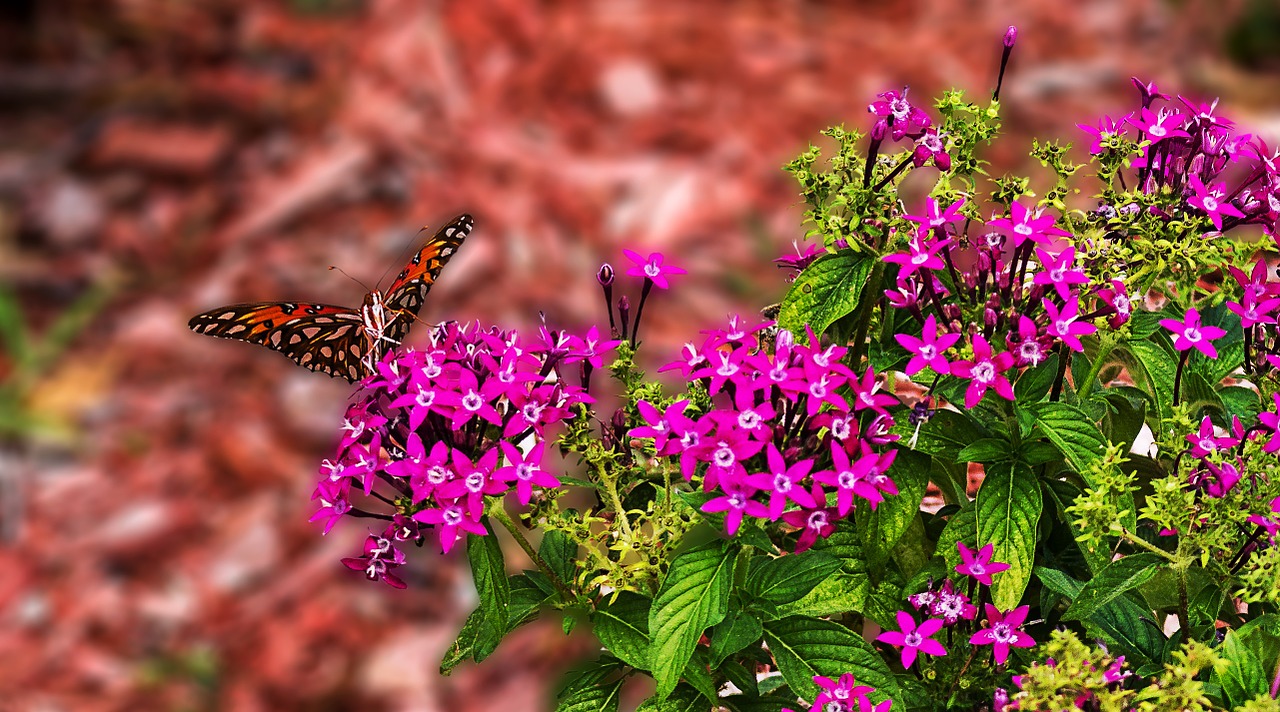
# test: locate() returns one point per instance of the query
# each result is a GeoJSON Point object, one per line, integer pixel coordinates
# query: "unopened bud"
{"type": "Point", "coordinates": [605, 275]}
{"type": "Point", "coordinates": [1010, 36]}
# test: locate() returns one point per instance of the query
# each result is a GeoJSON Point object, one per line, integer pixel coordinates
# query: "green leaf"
{"type": "Point", "coordinates": [527, 597]}
{"type": "Point", "coordinates": [1036, 382]}
{"type": "Point", "coordinates": [623, 628]}
{"type": "Point", "coordinates": [961, 527]}
{"type": "Point", "coordinates": [1199, 394]}
{"type": "Point", "coordinates": [489, 573]}
{"type": "Point", "coordinates": [1155, 367]}
{"type": "Point", "coordinates": [1059, 582]}
{"type": "Point", "coordinates": [1124, 420]}
{"type": "Point", "coordinates": [1240, 402]}
{"type": "Point", "coordinates": [1008, 509]}
{"type": "Point", "coordinates": [790, 577]}
{"type": "Point", "coordinates": [1245, 677]}
{"type": "Point", "coordinates": [1230, 346]}
{"type": "Point", "coordinates": [738, 630]}
{"type": "Point", "coordinates": [561, 554]}
{"type": "Point", "coordinates": [805, 647]}
{"type": "Point", "coordinates": [952, 479]}
{"type": "Point", "coordinates": [1072, 432]}
{"type": "Point", "coordinates": [596, 698]}
{"type": "Point", "coordinates": [464, 645]}
{"type": "Point", "coordinates": [986, 450]}
{"type": "Point", "coordinates": [882, 527]}
{"type": "Point", "coordinates": [839, 593]}
{"type": "Point", "coordinates": [825, 291]}
{"type": "Point", "coordinates": [682, 699]}
{"type": "Point", "coordinates": [947, 433]}
{"type": "Point", "coordinates": [1129, 629]}
{"type": "Point", "coordinates": [1113, 581]}
{"type": "Point", "coordinates": [693, 597]}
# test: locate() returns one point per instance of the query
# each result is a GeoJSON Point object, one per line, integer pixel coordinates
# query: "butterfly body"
{"type": "Point", "coordinates": [338, 341]}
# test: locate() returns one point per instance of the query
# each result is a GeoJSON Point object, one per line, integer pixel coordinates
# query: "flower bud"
{"type": "Point", "coordinates": [1010, 36]}
{"type": "Point", "coordinates": [605, 275]}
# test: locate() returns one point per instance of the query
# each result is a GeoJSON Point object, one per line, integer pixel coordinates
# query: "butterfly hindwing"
{"type": "Point", "coordinates": [409, 290]}
{"type": "Point", "coordinates": [321, 337]}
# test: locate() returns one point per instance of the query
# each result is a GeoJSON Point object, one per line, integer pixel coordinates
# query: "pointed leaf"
{"type": "Point", "coordinates": [693, 597]}
{"type": "Point", "coordinates": [805, 647]}
{"type": "Point", "coordinates": [1008, 509]}
{"type": "Point", "coordinates": [827, 290]}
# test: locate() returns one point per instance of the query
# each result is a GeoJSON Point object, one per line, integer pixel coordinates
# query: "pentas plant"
{"type": "Point", "coordinates": [993, 450]}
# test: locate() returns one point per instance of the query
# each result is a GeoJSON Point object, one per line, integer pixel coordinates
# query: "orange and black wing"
{"type": "Point", "coordinates": [321, 337]}
{"type": "Point", "coordinates": [409, 290]}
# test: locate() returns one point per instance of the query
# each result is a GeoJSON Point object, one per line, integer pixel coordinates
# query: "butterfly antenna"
{"type": "Point", "coordinates": [353, 279]}
{"type": "Point", "coordinates": [408, 246]}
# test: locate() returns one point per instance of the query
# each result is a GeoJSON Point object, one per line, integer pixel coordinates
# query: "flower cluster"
{"type": "Point", "coordinates": [950, 607]}
{"type": "Point", "coordinates": [778, 435]}
{"type": "Point", "coordinates": [1187, 150]}
{"type": "Point", "coordinates": [844, 695]}
{"type": "Point", "coordinates": [1258, 309]}
{"type": "Point", "coordinates": [1014, 295]}
{"type": "Point", "coordinates": [436, 431]}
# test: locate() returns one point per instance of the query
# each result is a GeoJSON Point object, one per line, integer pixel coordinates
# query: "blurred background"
{"type": "Point", "coordinates": [162, 157]}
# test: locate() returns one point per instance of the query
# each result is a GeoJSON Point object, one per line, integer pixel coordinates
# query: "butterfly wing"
{"type": "Point", "coordinates": [321, 337]}
{"type": "Point", "coordinates": [409, 290]}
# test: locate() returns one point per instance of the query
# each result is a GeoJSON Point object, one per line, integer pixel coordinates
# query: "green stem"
{"type": "Point", "coordinates": [866, 309]}
{"type": "Point", "coordinates": [1177, 377]}
{"type": "Point", "coordinates": [1064, 358]}
{"type": "Point", "coordinates": [501, 515]}
{"type": "Point", "coordinates": [611, 489]}
{"type": "Point", "coordinates": [1105, 346]}
{"type": "Point", "coordinates": [1144, 544]}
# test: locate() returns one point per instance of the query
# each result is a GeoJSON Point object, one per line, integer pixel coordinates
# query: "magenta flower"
{"type": "Point", "coordinates": [1211, 200]}
{"type": "Point", "coordinates": [736, 502]}
{"type": "Point", "coordinates": [782, 482]}
{"type": "Point", "coordinates": [652, 268]}
{"type": "Point", "coordinates": [928, 350]}
{"type": "Point", "coordinates": [934, 217]}
{"type": "Point", "coordinates": [590, 348]}
{"type": "Point", "coordinates": [1218, 479]}
{"type": "Point", "coordinates": [951, 605]}
{"type": "Point", "coordinates": [1022, 224]}
{"type": "Point", "coordinates": [1269, 524]}
{"type": "Point", "coordinates": [979, 567]}
{"type": "Point", "coordinates": [1190, 333]}
{"type": "Point", "coordinates": [984, 371]}
{"type": "Point", "coordinates": [333, 502]}
{"type": "Point", "coordinates": [1030, 347]}
{"type": "Point", "coordinates": [1106, 129]}
{"type": "Point", "coordinates": [1002, 632]}
{"type": "Point", "coordinates": [931, 147]}
{"type": "Point", "coordinates": [380, 557]}
{"type": "Point", "coordinates": [525, 470]}
{"type": "Point", "coordinates": [1160, 125]}
{"type": "Point", "coordinates": [451, 520]}
{"type": "Point", "coordinates": [841, 695]}
{"type": "Point", "coordinates": [866, 394]}
{"type": "Point", "coordinates": [918, 257]}
{"type": "Point", "coordinates": [1059, 272]}
{"type": "Point", "coordinates": [659, 424]}
{"type": "Point", "coordinates": [815, 522]}
{"type": "Point", "coordinates": [914, 639]}
{"type": "Point", "coordinates": [1207, 441]}
{"type": "Point", "coordinates": [850, 479]}
{"type": "Point", "coordinates": [1063, 324]}
{"type": "Point", "coordinates": [1118, 300]}
{"type": "Point", "coordinates": [907, 119]}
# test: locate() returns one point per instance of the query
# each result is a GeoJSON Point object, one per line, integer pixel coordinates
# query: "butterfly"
{"type": "Point", "coordinates": [338, 341]}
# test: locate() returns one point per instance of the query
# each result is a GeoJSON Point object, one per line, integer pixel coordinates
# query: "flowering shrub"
{"type": "Point", "coordinates": [756, 540]}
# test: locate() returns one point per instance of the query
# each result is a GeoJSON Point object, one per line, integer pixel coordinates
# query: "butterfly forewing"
{"type": "Point", "coordinates": [335, 340]}
{"type": "Point", "coordinates": [409, 290]}
{"type": "Point", "coordinates": [321, 337]}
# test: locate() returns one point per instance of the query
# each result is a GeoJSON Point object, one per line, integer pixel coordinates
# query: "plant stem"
{"type": "Point", "coordinates": [866, 309]}
{"type": "Point", "coordinates": [611, 489]}
{"type": "Point", "coordinates": [1105, 346]}
{"type": "Point", "coordinates": [501, 515]}
{"type": "Point", "coordinates": [1143, 543]}
{"type": "Point", "coordinates": [1064, 357]}
{"type": "Point", "coordinates": [1177, 377]}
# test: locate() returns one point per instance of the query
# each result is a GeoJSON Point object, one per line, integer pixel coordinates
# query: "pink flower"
{"type": "Point", "coordinates": [984, 371]}
{"type": "Point", "coordinates": [1190, 333]}
{"type": "Point", "coordinates": [1063, 324]}
{"type": "Point", "coordinates": [928, 350]}
{"type": "Point", "coordinates": [651, 268]}
{"type": "Point", "coordinates": [914, 639]}
{"type": "Point", "coordinates": [979, 567]}
{"type": "Point", "coordinates": [1160, 125]}
{"type": "Point", "coordinates": [1211, 200]}
{"type": "Point", "coordinates": [736, 502]}
{"type": "Point", "coordinates": [918, 257]}
{"type": "Point", "coordinates": [782, 482]}
{"type": "Point", "coordinates": [1002, 632]}
{"type": "Point", "coordinates": [1022, 225]}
